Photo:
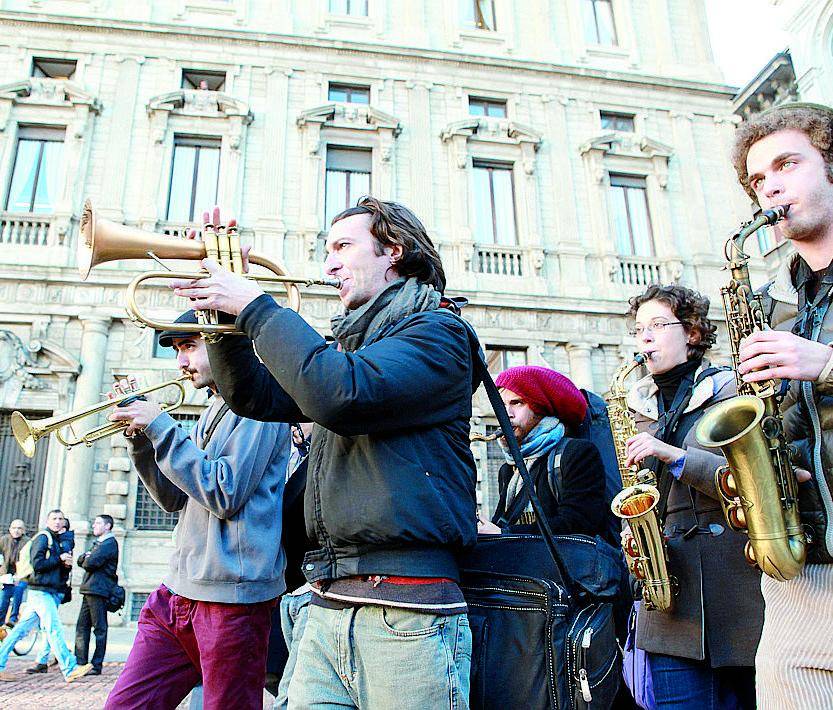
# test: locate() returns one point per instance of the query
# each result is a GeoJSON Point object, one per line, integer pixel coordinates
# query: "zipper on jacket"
{"type": "Point", "coordinates": [821, 479]}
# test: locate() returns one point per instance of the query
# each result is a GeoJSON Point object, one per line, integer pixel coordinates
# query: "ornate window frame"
{"type": "Point", "coordinates": [195, 112]}
{"type": "Point", "coordinates": [644, 157]}
{"type": "Point", "coordinates": [59, 103]}
{"type": "Point", "coordinates": [350, 126]}
{"type": "Point", "coordinates": [502, 140]}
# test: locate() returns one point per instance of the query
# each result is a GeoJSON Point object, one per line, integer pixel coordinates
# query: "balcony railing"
{"type": "Point", "coordinates": [24, 229]}
{"type": "Point", "coordinates": [502, 261]}
{"type": "Point", "coordinates": [637, 271]}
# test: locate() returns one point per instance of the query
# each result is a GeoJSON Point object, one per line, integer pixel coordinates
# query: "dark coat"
{"type": "Point", "coordinates": [718, 611]}
{"type": "Point", "coordinates": [99, 565]}
{"type": "Point", "coordinates": [49, 570]}
{"type": "Point", "coordinates": [10, 549]}
{"type": "Point", "coordinates": [581, 507]}
{"type": "Point", "coordinates": [391, 480]}
{"type": "Point", "coordinates": [805, 426]}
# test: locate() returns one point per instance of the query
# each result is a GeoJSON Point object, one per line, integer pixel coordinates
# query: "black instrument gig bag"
{"type": "Point", "coordinates": [541, 611]}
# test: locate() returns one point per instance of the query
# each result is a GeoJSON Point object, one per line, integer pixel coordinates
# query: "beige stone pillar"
{"type": "Point", "coordinates": [75, 492]}
{"type": "Point", "coordinates": [581, 365]}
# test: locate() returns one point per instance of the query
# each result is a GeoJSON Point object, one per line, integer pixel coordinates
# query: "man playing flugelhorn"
{"type": "Point", "coordinates": [209, 621]}
{"type": "Point", "coordinates": [785, 157]}
{"type": "Point", "coordinates": [390, 493]}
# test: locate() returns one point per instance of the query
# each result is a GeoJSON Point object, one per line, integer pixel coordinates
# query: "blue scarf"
{"type": "Point", "coordinates": [548, 432]}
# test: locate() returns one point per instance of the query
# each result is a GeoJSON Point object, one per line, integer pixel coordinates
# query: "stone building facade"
{"type": "Point", "coordinates": [562, 153]}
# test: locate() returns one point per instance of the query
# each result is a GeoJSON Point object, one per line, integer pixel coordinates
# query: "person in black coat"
{"type": "Point", "coordinates": [100, 577]}
{"type": "Point", "coordinates": [544, 408]}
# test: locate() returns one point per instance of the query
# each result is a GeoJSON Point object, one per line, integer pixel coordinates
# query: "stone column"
{"type": "Point", "coordinates": [581, 366]}
{"type": "Point", "coordinates": [75, 492]}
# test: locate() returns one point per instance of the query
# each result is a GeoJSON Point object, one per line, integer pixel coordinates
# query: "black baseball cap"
{"type": "Point", "coordinates": [166, 337]}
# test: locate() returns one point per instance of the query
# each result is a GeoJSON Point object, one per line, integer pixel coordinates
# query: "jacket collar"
{"type": "Point", "coordinates": [105, 536]}
{"type": "Point", "coordinates": [782, 287]}
{"type": "Point", "coordinates": [642, 397]}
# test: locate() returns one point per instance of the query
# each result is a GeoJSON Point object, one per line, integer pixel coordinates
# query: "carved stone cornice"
{"type": "Point", "coordinates": [44, 91]}
{"type": "Point", "coordinates": [352, 116]}
{"type": "Point", "coordinates": [199, 102]}
{"type": "Point", "coordinates": [491, 129]}
{"type": "Point", "coordinates": [629, 146]}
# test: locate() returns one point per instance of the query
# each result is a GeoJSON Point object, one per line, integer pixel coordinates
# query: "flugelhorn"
{"type": "Point", "coordinates": [102, 241]}
{"type": "Point", "coordinates": [27, 432]}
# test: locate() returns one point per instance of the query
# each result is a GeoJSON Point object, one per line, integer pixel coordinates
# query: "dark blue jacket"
{"type": "Point", "coordinates": [45, 554]}
{"type": "Point", "coordinates": [391, 482]}
{"type": "Point", "coordinates": [99, 565]}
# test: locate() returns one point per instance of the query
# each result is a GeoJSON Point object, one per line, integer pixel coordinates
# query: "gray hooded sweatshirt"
{"type": "Point", "coordinates": [228, 539]}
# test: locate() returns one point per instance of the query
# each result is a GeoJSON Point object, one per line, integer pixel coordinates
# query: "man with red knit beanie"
{"type": "Point", "coordinates": [545, 408]}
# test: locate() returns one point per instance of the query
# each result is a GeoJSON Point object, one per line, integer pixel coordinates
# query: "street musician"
{"type": "Point", "coordinates": [784, 157]}
{"type": "Point", "coordinates": [209, 621]}
{"type": "Point", "coordinates": [390, 493]}
{"type": "Point", "coordinates": [701, 651]}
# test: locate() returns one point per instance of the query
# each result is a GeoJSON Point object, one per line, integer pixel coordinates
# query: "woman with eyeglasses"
{"type": "Point", "coordinates": [701, 653]}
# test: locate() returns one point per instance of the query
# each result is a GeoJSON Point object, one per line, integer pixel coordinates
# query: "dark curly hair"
{"type": "Point", "coordinates": [689, 307]}
{"type": "Point", "coordinates": [391, 224]}
{"type": "Point", "coordinates": [815, 120]}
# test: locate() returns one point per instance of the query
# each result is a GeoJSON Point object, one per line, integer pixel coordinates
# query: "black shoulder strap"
{"type": "Point", "coordinates": [209, 431]}
{"type": "Point", "coordinates": [554, 468]}
{"type": "Point", "coordinates": [511, 442]}
{"type": "Point", "coordinates": [664, 478]}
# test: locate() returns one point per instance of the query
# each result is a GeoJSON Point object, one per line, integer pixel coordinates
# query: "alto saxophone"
{"type": "Point", "coordinates": [757, 489]}
{"type": "Point", "coordinates": [637, 502]}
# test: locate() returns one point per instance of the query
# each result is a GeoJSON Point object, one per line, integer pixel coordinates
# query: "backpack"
{"type": "Point", "coordinates": [596, 428]}
{"type": "Point", "coordinates": [540, 607]}
{"type": "Point", "coordinates": [116, 599]}
{"type": "Point", "coordinates": [23, 567]}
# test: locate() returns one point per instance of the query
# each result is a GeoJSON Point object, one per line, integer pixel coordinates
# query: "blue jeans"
{"type": "Point", "coordinates": [294, 613]}
{"type": "Point", "coordinates": [41, 609]}
{"type": "Point", "coordinates": [685, 684]}
{"type": "Point", "coordinates": [382, 657]}
{"type": "Point", "coordinates": [11, 593]}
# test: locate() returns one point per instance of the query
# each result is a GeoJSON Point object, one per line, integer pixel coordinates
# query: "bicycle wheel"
{"type": "Point", "coordinates": [26, 643]}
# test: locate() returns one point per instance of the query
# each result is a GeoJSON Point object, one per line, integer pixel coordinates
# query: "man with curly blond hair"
{"type": "Point", "coordinates": [785, 157]}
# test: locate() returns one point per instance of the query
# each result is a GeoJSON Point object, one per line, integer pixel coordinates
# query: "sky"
{"type": "Point", "coordinates": [745, 34]}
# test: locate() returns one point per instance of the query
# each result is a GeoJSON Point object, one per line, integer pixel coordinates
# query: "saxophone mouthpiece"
{"type": "Point", "coordinates": [776, 214]}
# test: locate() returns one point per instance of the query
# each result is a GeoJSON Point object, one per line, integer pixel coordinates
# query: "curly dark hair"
{"type": "Point", "coordinates": [689, 307]}
{"type": "Point", "coordinates": [815, 120]}
{"type": "Point", "coordinates": [392, 223]}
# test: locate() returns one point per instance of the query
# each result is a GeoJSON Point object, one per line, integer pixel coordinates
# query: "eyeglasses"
{"type": "Point", "coordinates": [654, 326]}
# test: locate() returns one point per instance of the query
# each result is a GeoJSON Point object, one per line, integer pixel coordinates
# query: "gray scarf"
{"type": "Point", "coordinates": [399, 299]}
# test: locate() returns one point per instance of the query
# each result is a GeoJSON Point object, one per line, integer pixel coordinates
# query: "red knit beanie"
{"type": "Point", "coordinates": [547, 392]}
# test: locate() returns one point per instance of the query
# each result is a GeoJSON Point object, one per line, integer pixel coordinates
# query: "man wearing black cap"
{"type": "Point", "coordinates": [785, 157]}
{"type": "Point", "coordinates": [210, 620]}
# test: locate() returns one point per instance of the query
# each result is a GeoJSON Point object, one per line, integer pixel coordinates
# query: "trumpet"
{"type": "Point", "coordinates": [27, 433]}
{"type": "Point", "coordinates": [102, 241]}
